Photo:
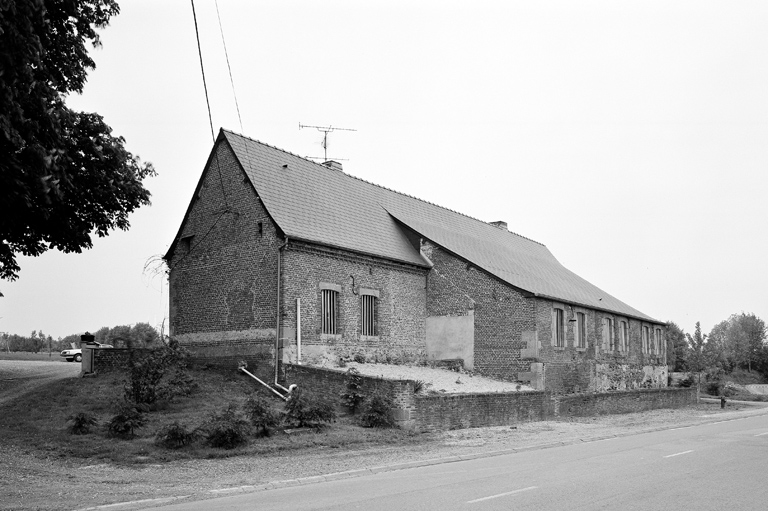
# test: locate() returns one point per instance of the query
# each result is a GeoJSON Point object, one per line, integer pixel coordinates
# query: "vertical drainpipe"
{"type": "Point", "coordinates": [298, 331]}
{"type": "Point", "coordinates": [277, 323]}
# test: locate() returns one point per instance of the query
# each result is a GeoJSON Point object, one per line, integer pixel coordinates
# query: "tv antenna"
{"type": "Point", "coordinates": [325, 130]}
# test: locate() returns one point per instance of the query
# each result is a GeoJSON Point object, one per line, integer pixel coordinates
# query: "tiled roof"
{"type": "Point", "coordinates": [312, 202]}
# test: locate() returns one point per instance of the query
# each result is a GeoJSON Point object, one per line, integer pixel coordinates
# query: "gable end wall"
{"type": "Point", "coordinates": [223, 288]}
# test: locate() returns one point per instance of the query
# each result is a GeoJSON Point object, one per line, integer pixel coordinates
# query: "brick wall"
{"type": "Point", "coordinates": [330, 383]}
{"type": "Point", "coordinates": [453, 411]}
{"type": "Point", "coordinates": [400, 310]}
{"type": "Point", "coordinates": [223, 280]}
{"type": "Point", "coordinates": [502, 314]}
{"type": "Point", "coordinates": [584, 405]}
{"type": "Point", "coordinates": [597, 368]}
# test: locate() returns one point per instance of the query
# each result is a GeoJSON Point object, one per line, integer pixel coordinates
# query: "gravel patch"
{"type": "Point", "coordinates": [438, 380]}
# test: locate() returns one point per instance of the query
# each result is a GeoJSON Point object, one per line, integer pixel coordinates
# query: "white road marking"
{"type": "Point", "coordinates": [678, 454]}
{"type": "Point", "coordinates": [761, 434]}
{"type": "Point", "coordinates": [502, 494]}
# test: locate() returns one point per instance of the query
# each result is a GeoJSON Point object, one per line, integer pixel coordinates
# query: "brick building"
{"type": "Point", "coordinates": [272, 242]}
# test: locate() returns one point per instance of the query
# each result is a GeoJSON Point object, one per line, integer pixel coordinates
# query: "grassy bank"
{"type": "Point", "coordinates": [38, 420]}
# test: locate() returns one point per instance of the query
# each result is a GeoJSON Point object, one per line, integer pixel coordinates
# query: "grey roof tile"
{"type": "Point", "coordinates": [312, 202]}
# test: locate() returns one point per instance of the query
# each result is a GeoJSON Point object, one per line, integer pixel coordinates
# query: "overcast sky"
{"type": "Point", "coordinates": [631, 138]}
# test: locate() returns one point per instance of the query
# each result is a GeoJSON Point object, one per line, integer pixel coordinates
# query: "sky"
{"type": "Point", "coordinates": [628, 137]}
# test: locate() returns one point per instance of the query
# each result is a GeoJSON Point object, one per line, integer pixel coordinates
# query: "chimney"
{"type": "Point", "coordinates": [334, 165]}
{"type": "Point", "coordinates": [499, 224]}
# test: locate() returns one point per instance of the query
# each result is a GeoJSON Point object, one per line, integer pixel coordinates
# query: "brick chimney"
{"type": "Point", "coordinates": [500, 224]}
{"type": "Point", "coordinates": [333, 165]}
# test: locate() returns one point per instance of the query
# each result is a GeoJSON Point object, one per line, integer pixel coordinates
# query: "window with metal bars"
{"type": "Point", "coordinates": [646, 340]}
{"type": "Point", "coordinates": [608, 340]}
{"type": "Point", "coordinates": [329, 310]}
{"type": "Point", "coordinates": [368, 314]}
{"type": "Point", "coordinates": [659, 341]}
{"type": "Point", "coordinates": [581, 330]}
{"type": "Point", "coordinates": [559, 316]}
{"type": "Point", "coordinates": [624, 337]}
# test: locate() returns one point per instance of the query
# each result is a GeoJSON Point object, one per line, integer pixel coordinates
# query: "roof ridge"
{"type": "Point", "coordinates": [378, 185]}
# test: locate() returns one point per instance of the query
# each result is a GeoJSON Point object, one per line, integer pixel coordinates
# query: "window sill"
{"type": "Point", "coordinates": [330, 337]}
{"type": "Point", "coordinates": [581, 350]}
{"type": "Point", "coordinates": [369, 337]}
{"type": "Point", "coordinates": [559, 348]}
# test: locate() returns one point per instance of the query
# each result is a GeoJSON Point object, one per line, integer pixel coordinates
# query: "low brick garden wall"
{"type": "Point", "coordinates": [430, 412]}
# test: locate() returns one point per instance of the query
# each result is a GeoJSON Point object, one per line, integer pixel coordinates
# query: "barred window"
{"type": "Point", "coordinates": [328, 310]}
{"type": "Point", "coordinates": [368, 314]}
{"type": "Point", "coordinates": [608, 342]}
{"type": "Point", "coordinates": [659, 341]}
{"type": "Point", "coordinates": [624, 331]}
{"type": "Point", "coordinates": [581, 330]}
{"type": "Point", "coordinates": [646, 340]}
{"type": "Point", "coordinates": [559, 317]}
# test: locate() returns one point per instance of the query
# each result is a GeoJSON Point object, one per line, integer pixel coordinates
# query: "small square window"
{"type": "Point", "coordinates": [186, 243]}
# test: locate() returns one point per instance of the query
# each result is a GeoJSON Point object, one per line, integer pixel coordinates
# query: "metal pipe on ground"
{"type": "Point", "coordinates": [284, 398]}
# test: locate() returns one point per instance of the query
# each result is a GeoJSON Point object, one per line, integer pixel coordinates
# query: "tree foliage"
{"type": "Point", "coordinates": [739, 342]}
{"type": "Point", "coordinates": [677, 347]}
{"type": "Point", "coordinates": [63, 175]}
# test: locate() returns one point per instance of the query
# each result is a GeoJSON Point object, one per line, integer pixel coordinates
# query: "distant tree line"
{"type": "Point", "coordinates": [737, 343]}
{"type": "Point", "coordinates": [139, 335]}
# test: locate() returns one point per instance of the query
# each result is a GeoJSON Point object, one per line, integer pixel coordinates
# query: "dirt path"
{"type": "Point", "coordinates": [17, 377]}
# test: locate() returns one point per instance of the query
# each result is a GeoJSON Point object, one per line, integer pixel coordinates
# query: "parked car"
{"type": "Point", "coordinates": [76, 354]}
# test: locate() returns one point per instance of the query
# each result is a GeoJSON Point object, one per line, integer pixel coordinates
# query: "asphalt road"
{"type": "Point", "coordinates": [722, 465]}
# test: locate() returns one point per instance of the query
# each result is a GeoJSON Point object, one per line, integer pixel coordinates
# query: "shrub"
{"type": "Point", "coordinates": [306, 409]}
{"type": "Point", "coordinates": [420, 386]}
{"type": "Point", "coordinates": [125, 423]}
{"type": "Point", "coordinates": [377, 411]}
{"type": "Point", "coordinates": [226, 430]}
{"type": "Point", "coordinates": [688, 381]}
{"type": "Point", "coordinates": [147, 370]}
{"type": "Point", "coordinates": [175, 436]}
{"type": "Point", "coordinates": [261, 415]}
{"type": "Point", "coordinates": [81, 423]}
{"type": "Point", "coordinates": [352, 396]}
{"type": "Point", "coordinates": [713, 388]}
{"type": "Point", "coordinates": [359, 358]}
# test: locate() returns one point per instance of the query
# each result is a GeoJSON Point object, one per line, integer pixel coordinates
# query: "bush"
{"type": "Point", "coordinates": [226, 430]}
{"type": "Point", "coordinates": [420, 386]}
{"type": "Point", "coordinates": [352, 396]}
{"type": "Point", "coordinates": [305, 409]}
{"type": "Point", "coordinates": [261, 415]}
{"type": "Point", "coordinates": [713, 388]}
{"type": "Point", "coordinates": [377, 411]}
{"type": "Point", "coordinates": [81, 423]}
{"type": "Point", "coordinates": [175, 436]}
{"type": "Point", "coordinates": [125, 423]}
{"type": "Point", "coordinates": [147, 370]}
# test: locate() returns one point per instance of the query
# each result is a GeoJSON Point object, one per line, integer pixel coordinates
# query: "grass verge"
{"type": "Point", "coordinates": [40, 422]}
